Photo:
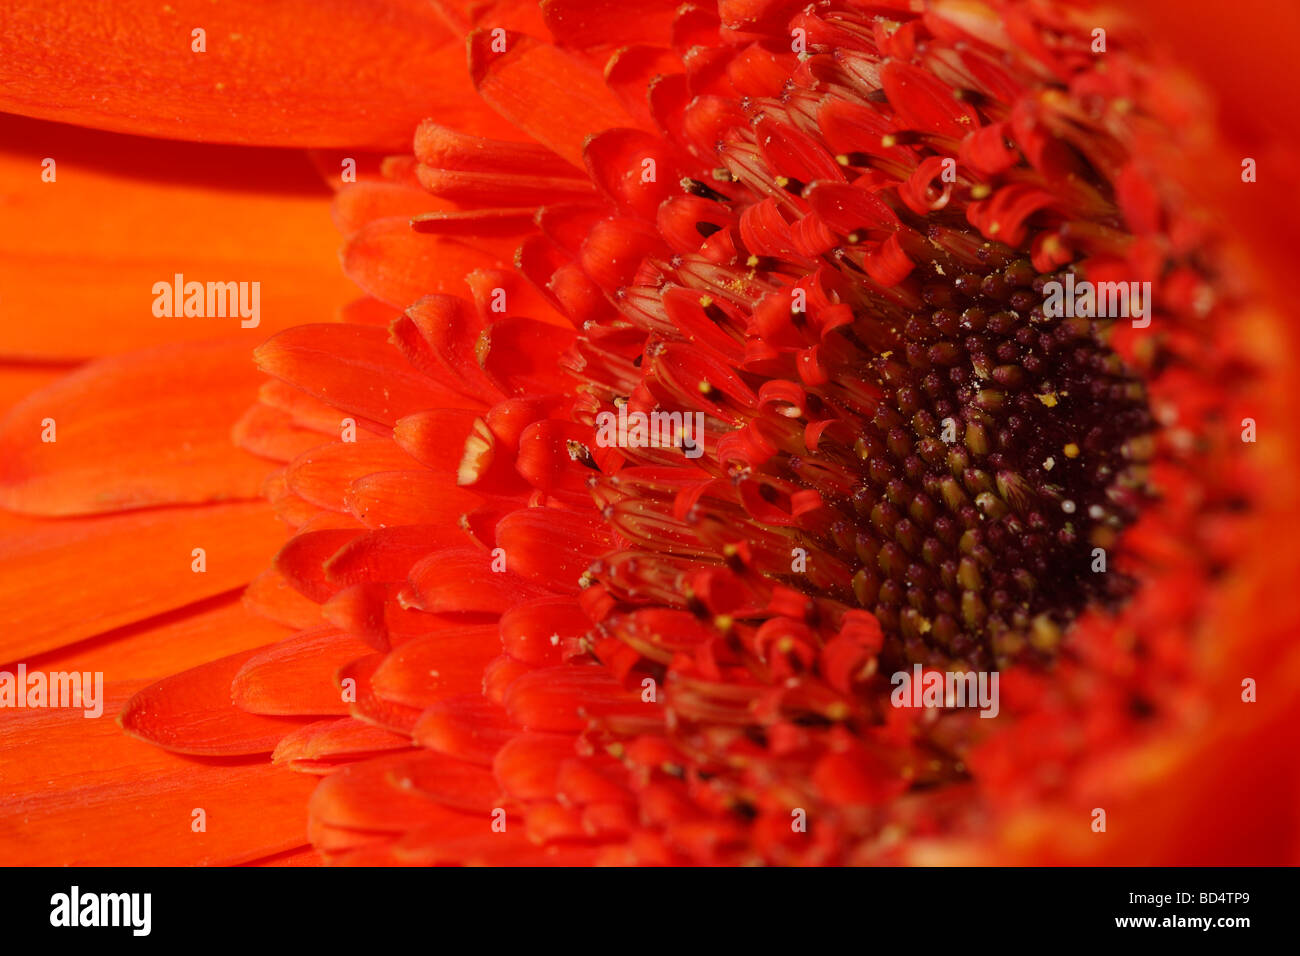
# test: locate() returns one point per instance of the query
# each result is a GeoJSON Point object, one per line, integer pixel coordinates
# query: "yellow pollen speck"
{"type": "Point", "coordinates": [994, 229]}
{"type": "Point", "coordinates": [981, 191]}
{"type": "Point", "coordinates": [705, 388]}
{"type": "Point", "coordinates": [752, 261]}
{"type": "Point", "coordinates": [1049, 463]}
{"type": "Point", "coordinates": [706, 301]}
{"type": "Point", "coordinates": [1049, 399]}
{"type": "Point", "coordinates": [854, 238]}
{"type": "Point", "coordinates": [889, 141]}
{"type": "Point", "coordinates": [837, 711]}
{"type": "Point", "coordinates": [220, 87]}
{"type": "Point", "coordinates": [782, 181]}
{"type": "Point", "coordinates": [723, 622]}
{"type": "Point", "coordinates": [1071, 450]}
{"type": "Point", "coordinates": [842, 159]}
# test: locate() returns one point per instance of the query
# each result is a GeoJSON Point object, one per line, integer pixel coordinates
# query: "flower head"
{"type": "Point", "coordinates": [940, 371]}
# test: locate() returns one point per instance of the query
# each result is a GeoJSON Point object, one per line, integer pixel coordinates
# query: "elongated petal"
{"type": "Point", "coordinates": [319, 73]}
{"type": "Point", "coordinates": [168, 644]}
{"type": "Point", "coordinates": [175, 403]}
{"type": "Point", "coordinates": [67, 580]}
{"type": "Point", "coordinates": [190, 713]}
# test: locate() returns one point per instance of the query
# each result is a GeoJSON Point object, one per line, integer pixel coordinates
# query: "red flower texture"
{"type": "Point", "coordinates": [824, 237]}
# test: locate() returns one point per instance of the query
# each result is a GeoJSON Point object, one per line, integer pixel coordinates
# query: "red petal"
{"type": "Point", "coordinates": [444, 664]}
{"type": "Point", "coordinates": [408, 498]}
{"type": "Point", "coordinates": [328, 744]}
{"type": "Point", "coordinates": [537, 632]}
{"type": "Point", "coordinates": [270, 596]}
{"type": "Point", "coordinates": [353, 367]}
{"type": "Point", "coordinates": [192, 713]}
{"type": "Point", "coordinates": [468, 727]}
{"type": "Point", "coordinates": [567, 698]}
{"type": "Point", "coordinates": [605, 23]}
{"type": "Point", "coordinates": [463, 580]}
{"type": "Point", "coordinates": [528, 767]}
{"type": "Point", "coordinates": [302, 561]}
{"type": "Point", "coordinates": [553, 96]}
{"type": "Point", "coordinates": [925, 103]}
{"type": "Point", "coordinates": [553, 547]}
{"type": "Point", "coordinates": [324, 475]}
{"type": "Point", "coordinates": [377, 796]}
{"type": "Point", "coordinates": [296, 676]}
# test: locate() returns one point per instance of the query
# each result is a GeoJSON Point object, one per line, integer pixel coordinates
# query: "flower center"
{"type": "Point", "coordinates": [996, 471]}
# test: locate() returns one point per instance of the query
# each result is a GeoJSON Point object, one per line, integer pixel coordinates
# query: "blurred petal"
{"type": "Point", "coordinates": [174, 404]}
{"type": "Point", "coordinates": [62, 581]}
{"type": "Point", "coordinates": [169, 643]}
{"type": "Point", "coordinates": [79, 256]}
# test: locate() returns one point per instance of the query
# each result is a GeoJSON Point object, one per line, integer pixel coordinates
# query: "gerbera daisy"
{"type": "Point", "coordinates": [834, 250]}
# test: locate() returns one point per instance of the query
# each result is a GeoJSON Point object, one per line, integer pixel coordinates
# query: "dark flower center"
{"type": "Point", "coordinates": [997, 470]}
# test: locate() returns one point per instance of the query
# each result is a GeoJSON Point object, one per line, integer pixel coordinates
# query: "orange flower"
{"type": "Point", "coordinates": [509, 627]}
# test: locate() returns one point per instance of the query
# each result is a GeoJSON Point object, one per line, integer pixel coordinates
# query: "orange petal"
{"type": "Point", "coordinates": [397, 265]}
{"type": "Point", "coordinates": [558, 99]}
{"type": "Point", "coordinates": [172, 642]}
{"type": "Point", "coordinates": [295, 73]}
{"type": "Point", "coordinates": [17, 380]}
{"type": "Point", "coordinates": [79, 284]}
{"type": "Point", "coordinates": [271, 596]}
{"type": "Point", "coordinates": [61, 771]}
{"type": "Point", "coordinates": [67, 580]}
{"type": "Point", "coordinates": [133, 431]}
